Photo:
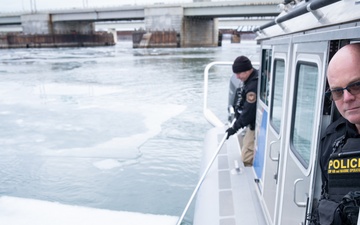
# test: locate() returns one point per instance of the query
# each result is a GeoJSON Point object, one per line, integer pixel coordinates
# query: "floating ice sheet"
{"type": "Point", "coordinates": [20, 211]}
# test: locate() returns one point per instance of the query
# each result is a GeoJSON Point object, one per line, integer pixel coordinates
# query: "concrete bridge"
{"type": "Point", "coordinates": [194, 24]}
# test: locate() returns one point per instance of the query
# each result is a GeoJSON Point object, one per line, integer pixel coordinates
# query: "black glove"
{"type": "Point", "coordinates": [230, 131]}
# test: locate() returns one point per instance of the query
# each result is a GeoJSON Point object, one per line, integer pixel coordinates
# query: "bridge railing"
{"type": "Point", "coordinates": [33, 6]}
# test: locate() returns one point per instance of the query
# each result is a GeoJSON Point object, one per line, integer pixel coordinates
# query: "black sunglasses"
{"type": "Point", "coordinates": [337, 93]}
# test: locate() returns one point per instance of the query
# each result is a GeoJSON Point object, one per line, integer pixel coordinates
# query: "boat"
{"type": "Point", "coordinates": [283, 185]}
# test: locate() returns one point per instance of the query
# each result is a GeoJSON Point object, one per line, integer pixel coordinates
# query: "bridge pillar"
{"type": "Point", "coordinates": [162, 28]}
{"type": "Point", "coordinates": [36, 24]}
{"type": "Point", "coordinates": [167, 18]}
{"type": "Point", "coordinates": [166, 26]}
{"type": "Point", "coordinates": [73, 27]}
{"type": "Point", "coordinates": [200, 32]}
{"type": "Point", "coordinates": [42, 24]}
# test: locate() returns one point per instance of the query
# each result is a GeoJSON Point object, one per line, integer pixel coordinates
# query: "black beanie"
{"type": "Point", "coordinates": [241, 64]}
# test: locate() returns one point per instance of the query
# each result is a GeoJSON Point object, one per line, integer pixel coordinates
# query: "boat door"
{"type": "Point", "coordinates": [277, 112]}
{"type": "Point", "coordinates": [301, 133]}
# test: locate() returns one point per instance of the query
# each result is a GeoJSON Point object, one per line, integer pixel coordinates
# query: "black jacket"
{"type": "Point", "coordinates": [247, 105]}
{"type": "Point", "coordinates": [340, 130]}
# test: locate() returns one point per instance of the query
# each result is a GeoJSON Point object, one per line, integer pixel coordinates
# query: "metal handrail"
{"type": "Point", "coordinates": [209, 115]}
{"type": "Point", "coordinates": [202, 178]}
{"type": "Point", "coordinates": [215, 121]}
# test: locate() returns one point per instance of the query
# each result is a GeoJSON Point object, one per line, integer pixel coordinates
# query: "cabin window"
{"type": "Point", "coordinates": [277, 94]}
{"type": "Point", "coordinates": [264, 75]}
{"type": "Point", "coordinates": [304, 111]}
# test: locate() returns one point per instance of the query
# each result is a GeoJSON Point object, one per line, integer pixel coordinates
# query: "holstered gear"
{"type": "Point", "coordinates": [340, 203]}
{"type": "Point", "coordinates": [349, 208]}
{"type": "Point", "coordinates": [237, 101]}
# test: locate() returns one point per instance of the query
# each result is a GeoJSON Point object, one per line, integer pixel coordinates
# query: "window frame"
{"type": "Point", "coordinates": [293, 148]}
{"type": "Point", "coordinates": [272, 97]}
{"type": "Point", "coordinates": [264, 86]}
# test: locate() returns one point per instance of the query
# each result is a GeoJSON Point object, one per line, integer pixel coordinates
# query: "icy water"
{"type": "Point", "coordinates": [108, 127]}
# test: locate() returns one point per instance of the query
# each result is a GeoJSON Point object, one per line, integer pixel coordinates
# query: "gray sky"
{"type": "Point", "coordinates": [7, 6]}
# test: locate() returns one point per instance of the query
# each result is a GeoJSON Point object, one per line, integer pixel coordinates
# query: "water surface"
{"type": "Point", "coordinates": [108, 127]}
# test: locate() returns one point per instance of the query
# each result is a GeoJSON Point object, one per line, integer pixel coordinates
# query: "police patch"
{"type": "Point", "coordinates": [251, 97]}
{"type": "Point", "coordinates": [344, 165]}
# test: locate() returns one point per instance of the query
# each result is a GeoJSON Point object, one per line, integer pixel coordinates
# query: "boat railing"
{"type": "Point", "coordinates": [209, 115]}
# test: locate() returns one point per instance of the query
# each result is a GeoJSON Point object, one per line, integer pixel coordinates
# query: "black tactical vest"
{"type": "Point", "coordinates": [344, 169]}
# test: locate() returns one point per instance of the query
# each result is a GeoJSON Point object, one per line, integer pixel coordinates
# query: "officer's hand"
{"type": "Point", "coordinates": [230, 132]}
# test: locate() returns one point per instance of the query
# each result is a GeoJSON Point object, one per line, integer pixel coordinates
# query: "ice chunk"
{"type": "Point", "coordinates": [21, 211]}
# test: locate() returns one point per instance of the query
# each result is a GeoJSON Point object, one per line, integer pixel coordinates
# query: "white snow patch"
{"type": "Point", "coordinates": [20, 211]}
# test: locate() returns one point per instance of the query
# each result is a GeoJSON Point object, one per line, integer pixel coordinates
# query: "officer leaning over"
{"type": "Point", "coordinates": [340, 144]}
{"type": "Point", "coordinates": [245, 106]}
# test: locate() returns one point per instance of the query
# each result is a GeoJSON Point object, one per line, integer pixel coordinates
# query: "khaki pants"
{"type": "Point", "coordinates": [247, 150]}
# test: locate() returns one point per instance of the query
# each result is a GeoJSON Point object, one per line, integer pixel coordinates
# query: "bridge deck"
{"type": "Point", "coordinates": [246, 8]}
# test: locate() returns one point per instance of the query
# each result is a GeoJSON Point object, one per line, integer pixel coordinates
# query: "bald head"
{"type": "Point", "coordinates": [344, 70]}
{"type": "Point", "coordinates": [347, 57]}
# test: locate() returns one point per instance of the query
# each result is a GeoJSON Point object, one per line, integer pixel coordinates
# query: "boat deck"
{"type": "Point", "coordinates": [228, 194]}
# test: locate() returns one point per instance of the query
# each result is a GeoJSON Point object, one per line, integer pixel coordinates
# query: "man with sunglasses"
{"type": "Point", "coordinates": [340, 144]}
